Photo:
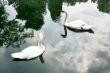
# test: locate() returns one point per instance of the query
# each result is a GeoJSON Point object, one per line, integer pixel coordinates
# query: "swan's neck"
{"type": "Point", "coordinates": [65, 20]}
{"type": "Point", "coordinates": [40, 44]}
{"type": "Point", "coordinates": [40, 40]}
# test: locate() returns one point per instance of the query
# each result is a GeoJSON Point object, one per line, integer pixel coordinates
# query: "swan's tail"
{"type": "Point", "coordinates": [17, 55]}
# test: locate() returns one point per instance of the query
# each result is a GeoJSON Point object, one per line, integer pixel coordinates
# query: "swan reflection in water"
{"type": "Point", "coordinates": [40, 57]}
{"type": "Point", "coordinates": [75, 30]}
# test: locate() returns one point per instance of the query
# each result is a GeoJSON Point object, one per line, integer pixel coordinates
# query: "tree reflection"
{"type": "Point", "coordinates": [103, 5]}
{"type": "Point", "coordinates": [12, 33]}
{"type": "Point", "coordinates": [1, 21]}
{"type": "Point", "coordinates": [73, 2]}
{"type": "Point", "coordinates": [55, 7]}
{"type": "Point", "coordinates": [93, 1]}
{"type": "Point", "coordinates": [1, 12]}
{"type": "Point", "coordinates": [32, 11]}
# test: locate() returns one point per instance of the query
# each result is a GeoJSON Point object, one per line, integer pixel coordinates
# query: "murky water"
{"type": "Point", "coordinates": [77, 52]}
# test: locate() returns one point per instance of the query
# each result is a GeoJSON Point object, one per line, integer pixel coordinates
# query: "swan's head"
{"type": "Point", "coordinates": [64, 12]}
{"type": "Point", "coordinates": [65, 18]}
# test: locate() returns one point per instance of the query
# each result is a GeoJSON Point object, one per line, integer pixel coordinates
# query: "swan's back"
{"type": "Point", "coordinates": [76, 24]}
{"type": "Point", "coordinates": [79, 24]}
{"type": "Point", "coordinates": [33, 51]}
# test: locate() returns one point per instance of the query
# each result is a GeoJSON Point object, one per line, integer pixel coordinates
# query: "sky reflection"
{"type": "Point", "coordinates": [77, 53]}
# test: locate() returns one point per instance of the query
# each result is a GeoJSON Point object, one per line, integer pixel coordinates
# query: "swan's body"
{"type": "Point", "coordinates": [77, 24]}
{"type": "Point", "coordinates": [30, 52]}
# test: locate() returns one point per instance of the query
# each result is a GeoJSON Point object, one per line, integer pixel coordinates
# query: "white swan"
{"type": "Point", "coordinates": [31, 51]}
{"type": "Point", "coordinates": [77, 24]}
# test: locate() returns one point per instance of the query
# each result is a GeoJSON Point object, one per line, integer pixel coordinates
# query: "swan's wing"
{"type": "Point", "coordinates": [77, 24]}
{"type": "Point", "coordinates": [33, 51]}
{"type": "Point", "coordinates": [86, 27]}
{"type": "Point", "coordinates": [37, 52]}
{"type": "Point", "coordinates": [19, 55]}
{"type": "Point", "coordinates": [29, 48]}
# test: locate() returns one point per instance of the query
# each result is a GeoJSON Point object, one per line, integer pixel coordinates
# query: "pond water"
{"type": "Point", "coordinates": [75, 52]}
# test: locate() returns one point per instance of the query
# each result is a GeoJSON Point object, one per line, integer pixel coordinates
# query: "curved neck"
{"type": "Point", "coordinates": [65, 17]}
{"type": "Point", "coordinates": [65, 20]}
{"type": "Point", "coordinates": [40, 39]}
{"type": "Point", "coordinates": [40, 43]}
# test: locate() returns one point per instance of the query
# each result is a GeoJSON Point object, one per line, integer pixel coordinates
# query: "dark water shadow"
{"type": "Point", "coordinates": [75, 30]}
{"type": "Point", "coordinates": [12, 33]}
{"type": "Point", "coordinates": [103, 5]}
{"type": "Point", "coordinates": [40, 57]}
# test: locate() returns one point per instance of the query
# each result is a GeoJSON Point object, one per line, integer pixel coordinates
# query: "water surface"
{"type": "Point", "coordinates": [77, 52]}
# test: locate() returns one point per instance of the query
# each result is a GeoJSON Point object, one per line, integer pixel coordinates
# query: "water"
{"type": "Point", "coordinates": [76, 52]}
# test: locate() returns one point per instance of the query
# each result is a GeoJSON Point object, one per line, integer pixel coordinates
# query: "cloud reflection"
{"type": "Point", "coordinates": [80, 53]}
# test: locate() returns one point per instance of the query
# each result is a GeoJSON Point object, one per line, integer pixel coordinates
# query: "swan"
{"type": "Point", "coordinates": [77, 24]}
{"type": "Point", "coordinates": [31, 51]}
